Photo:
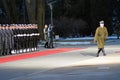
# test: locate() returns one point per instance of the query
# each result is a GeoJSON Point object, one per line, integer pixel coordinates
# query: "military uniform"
{"type": "Point", "coordinates": [10, 40]}
{"type": "Point", "coordinates": [36, 37]}
{"type": "Point", "coordinates": [5, 42]}
{"type": "Point", "coordinates": [30, 38]}
{"type": "Point", "coordinates": [100, 36]}
{"type": "Point", "coordinates": [1, 42]}
{"type": "Point", "coordinates": [15, 46]}
{"type": "Point", "coordinates": [33, 38]}
{"type": "Point", "coordinates": [16, 37]}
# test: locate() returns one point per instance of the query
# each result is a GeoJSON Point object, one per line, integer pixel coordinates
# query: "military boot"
{"type": "Point", "coordinates": [98, 52]}
{"type": "Point", "coordinates": [103, 51]}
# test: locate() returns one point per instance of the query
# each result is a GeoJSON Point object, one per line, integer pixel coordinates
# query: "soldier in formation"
{"type": "Point", "coordinates": [18, 38]}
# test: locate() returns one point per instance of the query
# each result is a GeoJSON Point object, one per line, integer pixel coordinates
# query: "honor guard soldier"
{"type": "Point", "coordinates": [1, 41]}
{"type": "Point", "coordinates": [100, 36]}
{"type": "Point", "coordinates": [5, 43]}
{"type": "Point", "coordinates": [10, 39]}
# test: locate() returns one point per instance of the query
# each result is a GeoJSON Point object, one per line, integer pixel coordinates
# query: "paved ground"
{"type": "Point", "coordinates": [72, 65]}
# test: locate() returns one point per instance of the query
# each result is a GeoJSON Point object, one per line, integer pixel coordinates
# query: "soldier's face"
{"type": "Point", "coordinates": [101, 25]}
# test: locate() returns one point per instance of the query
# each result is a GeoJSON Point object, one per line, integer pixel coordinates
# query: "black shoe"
{"type": "Point", "coordinates": [97, 56]}
{"type": "Point", "coordinates": [45, 46]}
{"type": "Point", "coordinates": [10, 53]}
{"type": "Point", "coordinates": [104, 55]}
{"type": "Point", "coordinates": [48, 47]}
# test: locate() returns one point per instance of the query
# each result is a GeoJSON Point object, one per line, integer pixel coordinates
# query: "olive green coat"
{"type": "Point", "coordinates": [100, 36]}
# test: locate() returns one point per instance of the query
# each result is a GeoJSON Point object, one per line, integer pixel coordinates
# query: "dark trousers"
{"type": "Point", "coordinates": [1, 52]}
{"type": "Point", "coordinates": [99, 50]}
{"type": "Point", "coordinates": [46, 45]}
{"type": "Point", "coordinates": [50, 42]}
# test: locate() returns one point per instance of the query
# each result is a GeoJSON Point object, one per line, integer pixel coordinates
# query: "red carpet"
{"type": "Point", "coordinates": [34, 54]}
{"type": "Point", "coordinates": [117, 51]}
